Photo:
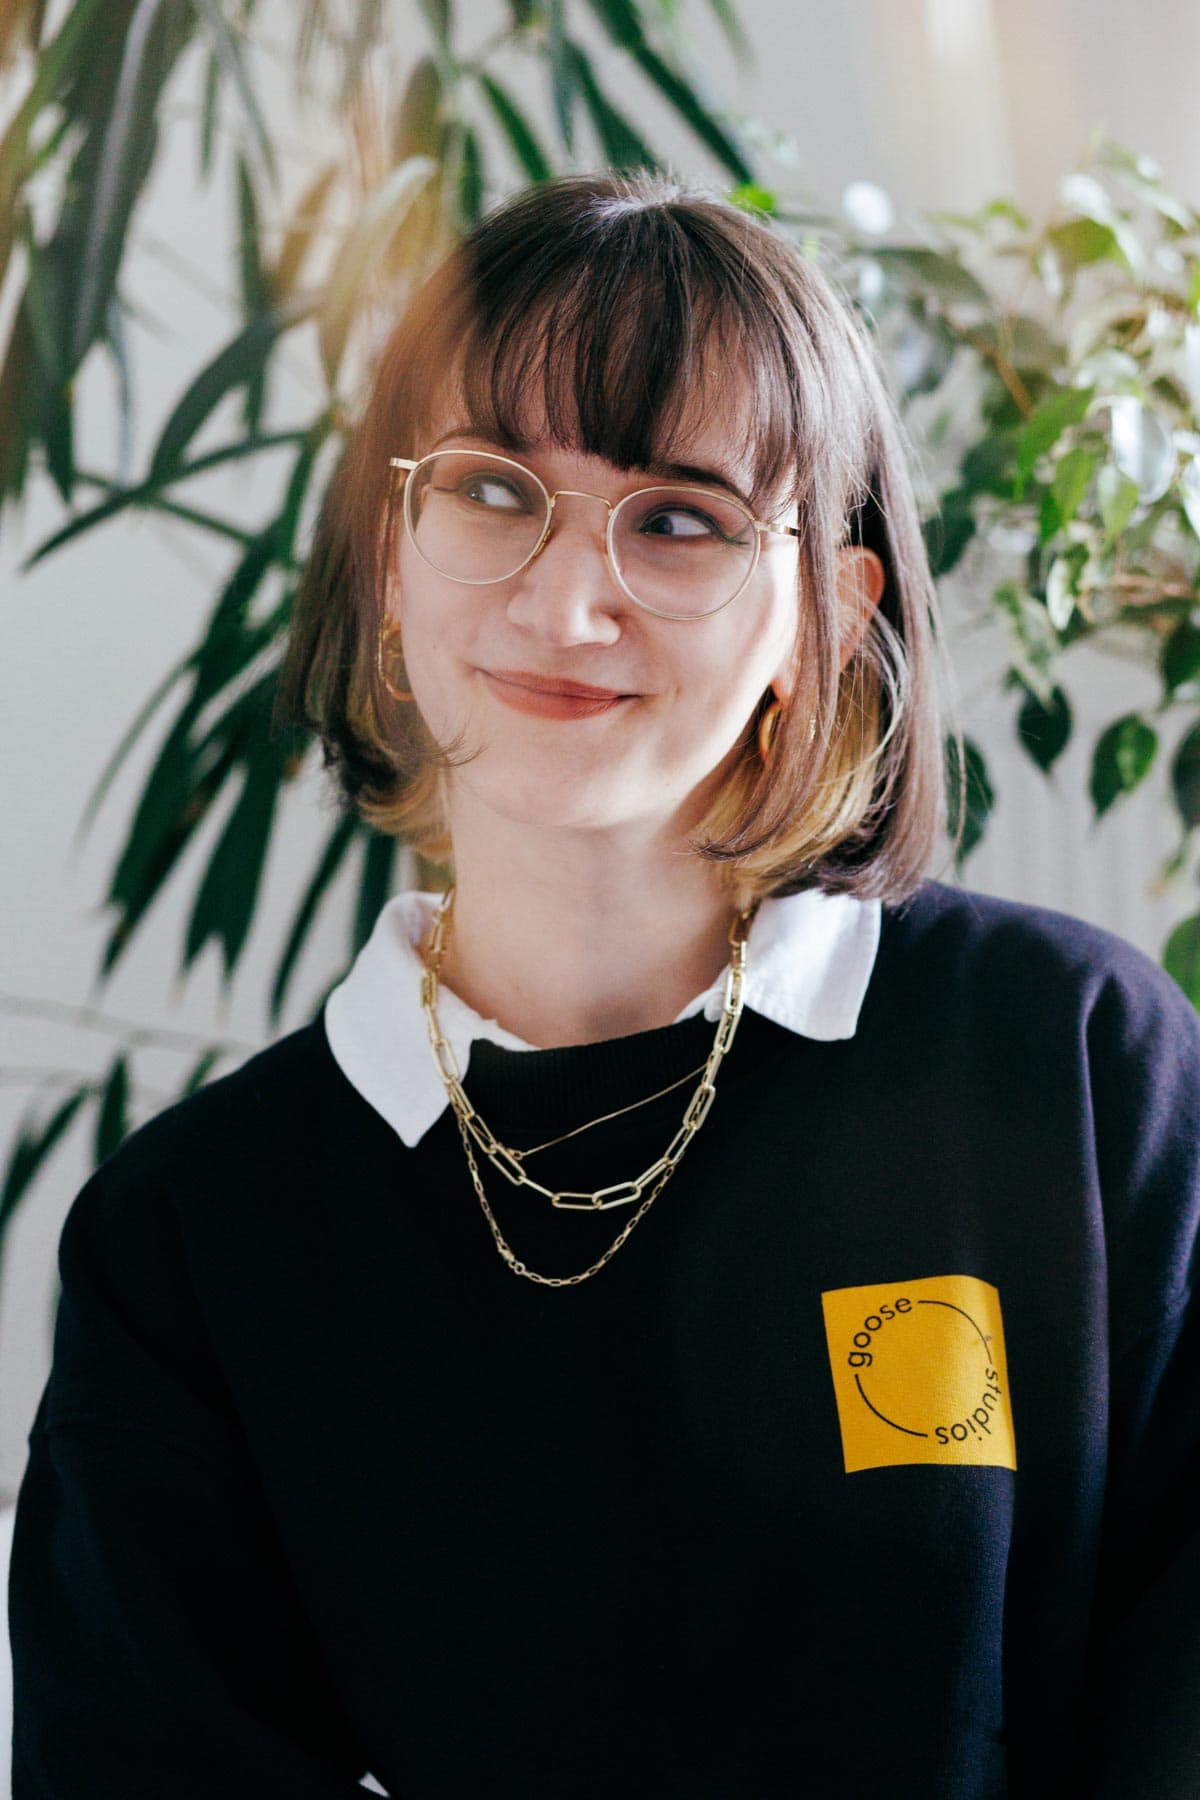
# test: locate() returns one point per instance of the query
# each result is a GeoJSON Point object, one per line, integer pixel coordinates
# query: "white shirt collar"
{"type": "Point", "coordinates": [809, 959]}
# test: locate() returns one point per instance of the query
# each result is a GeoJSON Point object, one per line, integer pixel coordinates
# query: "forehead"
{"type": "Point", "coordinates": [709, 430]}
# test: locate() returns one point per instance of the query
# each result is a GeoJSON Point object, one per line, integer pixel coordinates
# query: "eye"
{"type": "Point", "coordinates": [691, 523]}
{"type": "Point", "coordinates": [494, 493]}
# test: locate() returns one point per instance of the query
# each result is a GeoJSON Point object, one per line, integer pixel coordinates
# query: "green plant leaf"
{"type": "Point", "coordinates": [562, 72]}
{"type": "Point", "coordinates": [987, 466]}
{"type": "Point", "coordinates": [1065, 407]}
{"type": "Point", "coordinates": [470, 181]}
{"type": "Point", "coordinates": [1117, 496]}
{"type": "Point", "coordinates": [339, 841]}
{"type": "Point", "coordinates": [109, 179]}
{"type": "Point", "coordinates": [224, 905]}
{"type": "Point", "coordinates": [143, 717]}
{"type": "Point", "coordinates": [227, 644]}
{"type": "Point", "coordinates": [979, 795]}
{"type": "Point", "coordinates": [752, 197]}
{"type": "Point", "coordinates": [1062, 585]}
{"type": "Point", "coordinates": [55, 65]}
{"type": "Point", "coordinates": [419, 129]}
{"type": "Point", "coordinates": [209, 109]}
{"type": "Point", "coordinates": [1181, 957]}
{"type": "Point", "coordinates": [735, 32]}
{"type": "Point", "coordinates": [1179, 658]}
{"type": "Point", "coordinates": [201, 1069]}
{"type": "Point", "coordinates": [16, 424]}
{"type": "Point", "coordinates": [622, 146]}
{"type": "Point", "coordinates": [226, 48]}
{"type": "Point", "coordinates": [375, 886]}
{"type": "Point", "coordinates": [20, 29]}
{"type": "Point", "coordinates": [517, 130]}
{"type": "Point", "coordinates": [932, 272]}
{"type": "Point", "coordinates": [1036, 642]}
{"type": "Point", "coordinates": [696, 110]}
{"type": "Point", "coordinates": [149, 493]}
{"type": "Point", "coordinates": [948, 532]}
{"type": "Point", "coordinates": [1185, 778]}
{"type": "Point", "coordinates": [256, 287]}
{"type": "Point", "coordinates": [367, 241]}
{"type": "Point", "coordinates": [1122, 758]}
{"type": "Point", "coordinates": [186, 776]}
{"type": "Point", "coordinates": [1072, 474]}
{"type": "Point", "coordinates": [49, 389]}
{"type": "Point", "coordinates": [1193, 288]}
{"type": "Point", "coordinates": [1044, 728]}
{"type": "Point", "coordinates": [1082, 241]}
{"type": "Point", "coordinates": [358, 46]}
{"type": "Point", "coordinates": [255, 279]}
{"type": "Point", "coordinates": [437, 16]}
{"type": "Point", "coordinates": [1049, 522]}
{"type": "Point", "coordinates": [238, 364]}
{"type": "Point", "coordinates": [1023, 342]}
{"type": "Point", "coordinates": [621, 20]}
{"type": "Point", "coordinates": [118, 346]}
{"type": "Point", "coordinates": [34, 1144]}
{"type": "Point", "coordinates": [112, 1120]}
{"type": "Point", "coordinates": [44, 306]}
{"type": "Point", "coordinates": [302, 228]}
{"type": "Point", "coordinates": [173, 805]}
{"type": "Point", "coordinates": [284, 528]}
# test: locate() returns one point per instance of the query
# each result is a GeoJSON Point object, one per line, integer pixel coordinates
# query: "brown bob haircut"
{"type": "Point", "coordinates": [598, 298]}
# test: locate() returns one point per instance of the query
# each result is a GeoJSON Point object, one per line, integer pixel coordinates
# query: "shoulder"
{"type": "Point", "coordinates": [1045, 963]}
{"type": "Point", "coordinates": [199, 1199]}
{"type": "Point", "coordinates": [1084, 1044]}
{"type": "Point", "coordinates": [227, 1131]}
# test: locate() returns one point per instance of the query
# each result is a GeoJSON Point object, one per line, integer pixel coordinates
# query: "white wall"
{"type": "Point", "coordinates": [944, 102]}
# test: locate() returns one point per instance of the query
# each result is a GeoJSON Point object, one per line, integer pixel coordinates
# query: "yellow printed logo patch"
{"type": "Point", "coordinates": [920, 1372]}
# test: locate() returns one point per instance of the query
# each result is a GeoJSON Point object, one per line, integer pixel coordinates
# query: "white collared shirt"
{"type": "Point", "coordinates": [808, 961]}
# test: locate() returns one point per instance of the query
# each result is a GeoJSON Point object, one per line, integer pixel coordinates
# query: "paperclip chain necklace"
{"type": "Point", "coordinates": [509, 1162]}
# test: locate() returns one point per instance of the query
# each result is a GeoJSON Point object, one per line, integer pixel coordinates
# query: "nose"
{"type": "Point", "coordinates": [568, 593]}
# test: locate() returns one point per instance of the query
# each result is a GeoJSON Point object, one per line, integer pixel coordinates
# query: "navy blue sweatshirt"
{"type": "Point", "coordinates": [869, 1466]}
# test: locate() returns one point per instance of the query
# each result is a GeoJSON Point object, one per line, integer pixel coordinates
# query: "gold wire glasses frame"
{"type": "Point", "coordinates": [614, 508]}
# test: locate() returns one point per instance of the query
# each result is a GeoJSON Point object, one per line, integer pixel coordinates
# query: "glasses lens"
{"type": "Point", "coordinates": [472, 516]}
{"type": "Point", "coordinates": [683, 551]}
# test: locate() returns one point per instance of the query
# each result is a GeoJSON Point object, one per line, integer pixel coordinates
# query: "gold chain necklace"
{"type": "Point", "coordinates": [509, 1162]}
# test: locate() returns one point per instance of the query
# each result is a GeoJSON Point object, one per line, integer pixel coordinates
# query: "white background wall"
{"type": "Point", "coordinates": [944, 102]}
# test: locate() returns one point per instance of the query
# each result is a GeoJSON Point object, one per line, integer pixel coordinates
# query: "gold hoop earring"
{"type": "Point", "coordinates": [769, 724]}
{"type": "Point", "coordinates": [383, 649]}
{"type": "Point", "coordinates": [767, 727]}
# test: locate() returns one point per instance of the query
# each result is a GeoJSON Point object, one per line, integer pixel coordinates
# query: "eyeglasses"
{"type": "Point", "coordinates": [680, 550]}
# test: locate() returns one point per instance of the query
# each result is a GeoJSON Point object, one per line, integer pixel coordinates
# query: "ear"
{"type": "Point", "coordinates": [860, 584]}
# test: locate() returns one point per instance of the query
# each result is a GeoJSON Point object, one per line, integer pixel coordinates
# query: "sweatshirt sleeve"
{"type": "Point", "coordinates": [1141, 1728]}
{"type": "Point", "coordinates": [160, 1650]}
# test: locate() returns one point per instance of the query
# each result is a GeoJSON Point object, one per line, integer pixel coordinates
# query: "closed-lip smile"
{"type": "Point", "coordinates": [554, 684]}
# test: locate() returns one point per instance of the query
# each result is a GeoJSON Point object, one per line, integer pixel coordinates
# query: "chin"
{"type": "Point", "coordinates": [531, 798]}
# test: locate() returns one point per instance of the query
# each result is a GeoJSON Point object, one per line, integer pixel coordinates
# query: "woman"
{"type": "Point", "coordinates": [808, 1404]}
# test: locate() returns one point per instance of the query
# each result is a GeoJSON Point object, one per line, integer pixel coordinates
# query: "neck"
{"type": "Point", "coordinates": [568, 938]}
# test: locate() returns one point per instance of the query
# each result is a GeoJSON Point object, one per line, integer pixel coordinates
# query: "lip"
{"type": "Point", "coordinates": [552, 703]}
{"type": "Point", "coordinates": [554, 684]}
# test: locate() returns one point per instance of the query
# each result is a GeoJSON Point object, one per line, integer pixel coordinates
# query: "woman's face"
{"type": "Point", "coordinates": [656, 756]}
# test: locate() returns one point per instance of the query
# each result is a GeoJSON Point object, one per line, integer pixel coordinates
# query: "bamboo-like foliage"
{"type": "Point", "coordinates": [1056, 367]}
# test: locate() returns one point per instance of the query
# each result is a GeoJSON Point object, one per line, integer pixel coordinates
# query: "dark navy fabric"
{"type": "Point", "coordinates": [317, 1486]}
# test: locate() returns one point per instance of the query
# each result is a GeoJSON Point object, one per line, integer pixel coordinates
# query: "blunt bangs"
{"type": "Point", "coordinates": [614, 343]}
{"type": "Point", "coordinates": [610, 315]}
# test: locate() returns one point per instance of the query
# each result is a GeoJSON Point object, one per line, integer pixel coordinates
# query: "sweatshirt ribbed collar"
{"type": "Point", "coordinates": [809, 960]}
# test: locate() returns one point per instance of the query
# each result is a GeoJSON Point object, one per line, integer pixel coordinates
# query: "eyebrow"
{"type": "Point", "coordinates": [660, 469]}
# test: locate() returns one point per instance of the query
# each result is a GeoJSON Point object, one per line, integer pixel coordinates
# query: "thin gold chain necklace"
{"type": "Point", "coordinates": [509, 1162]}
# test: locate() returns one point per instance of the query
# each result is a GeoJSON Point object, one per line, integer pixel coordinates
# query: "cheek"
{"type": "Point", "coordinates": [429, 609]}
{"type": "Point", "coordinates": [759, 646]}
